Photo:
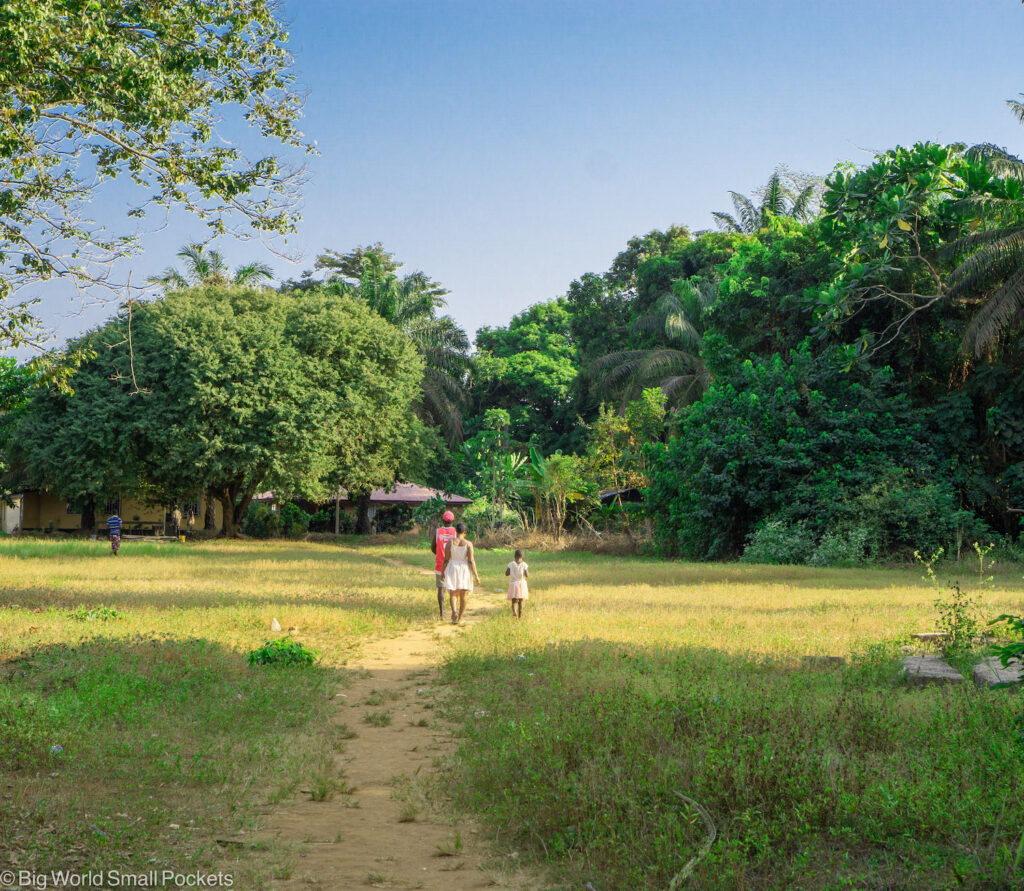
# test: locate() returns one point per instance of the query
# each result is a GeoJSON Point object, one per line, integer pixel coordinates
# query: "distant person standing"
{"type": "Point", "coordinates": [191, 523]}
{"type": "Point", "coordinates": [176, 519]}
{"type": "Point", "coordinates": [114, 531]}
{"type": "Point", "coordinates": [442, 535]}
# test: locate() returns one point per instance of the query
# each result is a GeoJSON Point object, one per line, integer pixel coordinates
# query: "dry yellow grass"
{"type": "Point", "coordinates": [228, 592]}
{"type": "Point", "coordinates": [777, 611]}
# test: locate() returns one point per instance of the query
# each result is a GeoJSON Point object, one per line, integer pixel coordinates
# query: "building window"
{"type": "Point", "coordinates": [190, 507]}
{"type": "Point", "coordinates": [113, 505]}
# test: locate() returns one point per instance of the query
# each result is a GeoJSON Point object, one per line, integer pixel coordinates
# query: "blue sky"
{"type": "Point", "coordinates": [506, 148]}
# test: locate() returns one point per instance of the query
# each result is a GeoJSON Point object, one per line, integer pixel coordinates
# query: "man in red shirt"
{"type": "Point", "coordinates": [444, 534]}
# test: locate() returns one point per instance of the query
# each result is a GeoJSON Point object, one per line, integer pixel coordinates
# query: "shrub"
{"type": "Point", "coordinates": [840, 548]}
{"type": "Point", "coordinates": [282, 652]}
{"type": "Point", "coordinates": [322, 521]}
{"type": "Point", "coordinates": [779, 542]}
{"type": "Point", "coordinates": [294, 521]}
{"type": "Point", "coordinates": [261, 522]}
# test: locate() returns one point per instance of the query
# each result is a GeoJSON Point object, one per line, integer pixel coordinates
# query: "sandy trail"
{"type": "Point", "coordinates": [376, 844]}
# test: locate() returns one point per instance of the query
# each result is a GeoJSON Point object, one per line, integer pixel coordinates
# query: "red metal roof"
{"type": "Point", "coordinates": [400, 493]}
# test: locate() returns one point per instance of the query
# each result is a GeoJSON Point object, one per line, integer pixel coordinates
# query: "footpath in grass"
{"type": "Point", "coordinates": [132, 731]}
{"type": "Point", "coordinates": [629, 681]}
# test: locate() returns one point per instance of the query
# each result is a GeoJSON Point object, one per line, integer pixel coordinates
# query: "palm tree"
{"type": "Point", "coordinates": [786, 194]}
{"type": "Point", "coordinates": [207, 267]}
{"type": "Point", "coordinates": [673, 362]}
{"type": "Point", "coordinates": [992, 258]}
{"type": "Point", "coordinates": [410, 304]}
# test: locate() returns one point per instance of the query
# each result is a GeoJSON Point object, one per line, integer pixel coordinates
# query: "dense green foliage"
{"type": "Point", "coordinates": [230, 391]}
{"type": "Point", "coordinates": [842, 388]}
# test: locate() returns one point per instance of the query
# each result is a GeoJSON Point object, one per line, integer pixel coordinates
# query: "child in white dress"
{"type": "Point", "coordinates": [518, 591]}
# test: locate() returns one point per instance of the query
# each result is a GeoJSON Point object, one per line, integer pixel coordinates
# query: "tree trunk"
{"type": "Point", "coordinates": [210, 514]}
{"type": "Point", "coordinates": [89, 514]}
{"type": "Point", "coordinates": [337, 511]}
{"type": "Point", "coordinates": [227, 509]}
{"type": "Point", "coordinates": [363, 514]}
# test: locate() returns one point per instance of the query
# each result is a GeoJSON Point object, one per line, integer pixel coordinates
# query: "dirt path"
{"type": "Point", "coordinates": [382, 832]}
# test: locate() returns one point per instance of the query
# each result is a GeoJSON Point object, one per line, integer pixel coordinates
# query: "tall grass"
{"type": "Point", "coordinates": [630, 681]}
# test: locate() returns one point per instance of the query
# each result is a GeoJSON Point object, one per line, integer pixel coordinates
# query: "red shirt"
{"type": "Point", "coordinates": [444, 535]}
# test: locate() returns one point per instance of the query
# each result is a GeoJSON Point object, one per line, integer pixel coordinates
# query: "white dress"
{"type": "Point", "coordinates": [517, 587]}
{"type": "Point", "coordinates": [458, 576]}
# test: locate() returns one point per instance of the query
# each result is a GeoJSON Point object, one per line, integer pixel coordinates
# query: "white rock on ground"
{"type": "Point", "coordinates": [990, 671]}
{"type": "Point", "coordinates": [930, 669]}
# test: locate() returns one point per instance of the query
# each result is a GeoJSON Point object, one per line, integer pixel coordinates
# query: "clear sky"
{"type": "Point", "coordinates": [506, 147]}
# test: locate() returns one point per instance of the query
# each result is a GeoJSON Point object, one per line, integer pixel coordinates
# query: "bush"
{"type": "Point", "coordinates": [294, 521]}
{"type": "Point", "coordinates": [840, 548]}
{"type": "Point", "coordinates": [779, 542]}
{"type": "Point", "coordinates": [322, 521]}
{"type": "Point", "coordinates": [282, 652]}
{"type": "Point", "coordinates": [261, 522]}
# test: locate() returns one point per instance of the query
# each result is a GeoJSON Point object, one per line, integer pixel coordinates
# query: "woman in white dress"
{"type": "Point", "coordinates": [459, 570]}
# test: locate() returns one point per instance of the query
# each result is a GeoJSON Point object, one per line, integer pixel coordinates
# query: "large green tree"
{"type": "Point", "coordinates": [231, 391]}
{"type": "Point", "coordinates": [411, 303]}
{"type": "Point", "coordinates": [98, 90]}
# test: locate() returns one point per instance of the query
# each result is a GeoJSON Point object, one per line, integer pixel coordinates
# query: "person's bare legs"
{"type": "Point", "coordinates": [451, 598]}
{"type": "Point", "coordinates": [518, 607]}
{"type": "Point", "coordinates": [440, 602]}
{"type": "Point", "coordinates": [462, 606]}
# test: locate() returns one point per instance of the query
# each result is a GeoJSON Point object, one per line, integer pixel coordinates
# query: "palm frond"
{"type": "Point", "coordinates": [997, 313]}
{"type": "Point", "coordinates": [248, 273]}
{"type": "Point", "coordinates": [773, 200]}
{"type": "Point", "coordinates": [1017, 108]}
{"type": "Point", "coordinates": [805, 203]}
{"type": "Point", "coordinates": [749, 215]}
{"type": "Point", "coordinates": [990, 265]}
{"type": "Point", "coordinates": [726, 221]}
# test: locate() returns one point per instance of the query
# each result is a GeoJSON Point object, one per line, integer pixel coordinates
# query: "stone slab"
{"type": "Point", "coordinates": [930, 669]}
{"type": "Point", "coordinates": [822, 661]}
{"type": "Point", "coordinates": [991, 671]}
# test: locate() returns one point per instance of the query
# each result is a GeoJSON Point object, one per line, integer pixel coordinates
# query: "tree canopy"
{"type": "Point", "coordinates": [230, 391]}
{"type": "Point", "coordinates": [97, 90]}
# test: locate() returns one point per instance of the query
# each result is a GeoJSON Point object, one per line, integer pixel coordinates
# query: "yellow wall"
{"type": "Point", "coordinates": [40, 509]}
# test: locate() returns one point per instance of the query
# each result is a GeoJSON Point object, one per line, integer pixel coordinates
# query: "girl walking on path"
{"type": "Point", "coordinates": [459, 570]}
{"type": "Point", "coordinates": [518, 591]}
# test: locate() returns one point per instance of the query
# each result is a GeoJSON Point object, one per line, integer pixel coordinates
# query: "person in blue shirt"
{"type": "Point", "coordinates": [114, 531]}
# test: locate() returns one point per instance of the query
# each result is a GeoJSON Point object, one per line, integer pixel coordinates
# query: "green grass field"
{"type": "Point", "coordinates": [627, 682]}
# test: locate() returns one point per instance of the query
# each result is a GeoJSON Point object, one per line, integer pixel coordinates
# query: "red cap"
{"type": "Point", "coordinates": [448, 516]}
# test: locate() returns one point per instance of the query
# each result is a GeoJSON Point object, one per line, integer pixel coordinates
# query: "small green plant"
{"type": "Point", "coordinates": [929, 565]}
{"type": "Point", "coordinates": [984, 565]}
{"type": "Point", "coordinates": [409, 813]}
{"type": "Point", "coordinates": [958, 620]}
{"type": "Point", "coordinates": [323, 787]}
{"type": "Point", "coordinates": [377, 878]}
{"type": "Point", "coordinates": [96, 614]}
{"type": "Point", "coordinates": [379, 697]}
{"type": "Point", "coordinates": [450, 849]}
{"type": "Point", "coordinates": [378, 719]}
{"type": "Point", "coordinates": [282, 652]}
